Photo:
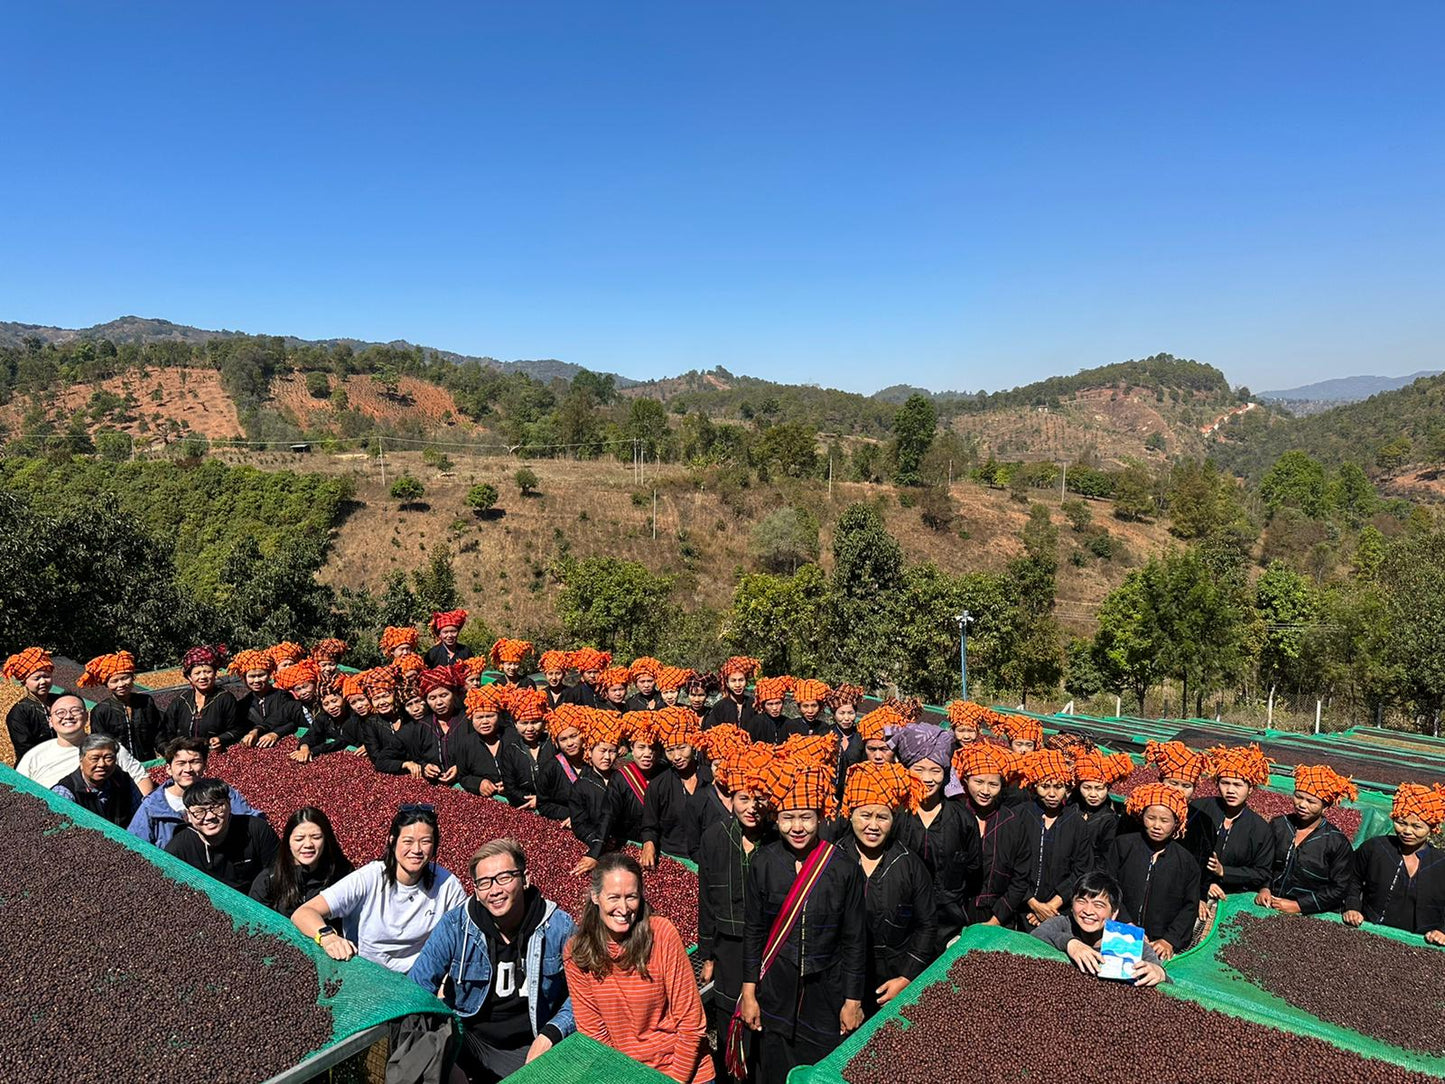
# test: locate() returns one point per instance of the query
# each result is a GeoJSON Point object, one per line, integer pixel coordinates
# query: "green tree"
{"type": "Point", "coordinates": [267, 597]}
{"type": "Point", "coordinates": [1295, 481]}
{"type": "Point", "coordinates": [1127, 646]}
{"type": "Point", "coordinates": [482, 498]}
{"type": "Point", "coordinates": [781, 620]}
{"type": "Point", "coordinates": [913, 429]}
{"type": "Point", "coordinates": [317, 385]}
{"type": "Point", "coordinates": [1351, 496]}
{"type": "Point", "coordinates": [865, 593]}
{"type": "Point", "coordinates": [789, 447]}
{"type": "Point", "coordinates": [1288, 611]}
{"type": "Point", "coordinates": [1133, 493]}
{"type": "Point", "coordinates": [935, 508]}
{"type": "Point", "coordinates": [113, 447]}
{"type": "Point", "coordinates": [1412, 576]}
{"type": "Point", "coordinates": [436, 582]}
{"type": "Point", "coordinates": [785, 539]}
{"type": "Point", "coordinates": [1202, 627]}
{"type": "Point", "coordinates": [526, 479]}
{"type": "Point", "coordinates": [1081, 674]}
{"type": "Point", "coordinates": [407, 490]}
{"type": "Point", "coordinates": [618, 605]}
{"type": "Point", "coordinates": [1078, 514]}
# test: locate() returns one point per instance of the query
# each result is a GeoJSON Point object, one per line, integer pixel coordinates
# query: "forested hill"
{"type": "Point", "coordinates": [1388, 434]}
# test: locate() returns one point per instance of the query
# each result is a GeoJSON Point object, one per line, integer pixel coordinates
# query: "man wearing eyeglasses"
{"type": "Point", "coordinates": [51, 761]}
{"type": "Point", "coordinates": [231, 848]}
{"type": "Point", "coordinates": [497, 960]}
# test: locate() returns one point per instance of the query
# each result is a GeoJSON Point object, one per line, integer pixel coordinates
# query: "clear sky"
{"type": "Point", "coordinates": [954, 195]}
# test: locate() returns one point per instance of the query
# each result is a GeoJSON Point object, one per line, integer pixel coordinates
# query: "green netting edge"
{"type": "Point", "coordinates": [578, 1059]}
{"type": "Point", "coordinates": [368, 994]}
{"type": "Point", "coordinates": [1207, 979]}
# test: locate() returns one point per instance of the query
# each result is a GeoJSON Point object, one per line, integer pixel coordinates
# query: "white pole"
{"type": "Point", "coordinates": [1269, 715]}
{"type": "Point", "coordinates": [654, 515]}
{"type": "Point", "coordinates": [1118, 706]}
{"type": "Point", "coordinates": [1318, 705]}
{"type": "Point", "coordinates": [830, 479]}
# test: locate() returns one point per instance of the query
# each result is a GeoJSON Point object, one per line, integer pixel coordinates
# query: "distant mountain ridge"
{"type": "Point", "coordinates": [147, 329]}
{"type": "Point", "coordinates": [1346, 389]}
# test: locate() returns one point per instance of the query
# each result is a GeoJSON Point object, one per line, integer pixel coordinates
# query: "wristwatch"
{"type": "Point", "coordinates": [325, 931]}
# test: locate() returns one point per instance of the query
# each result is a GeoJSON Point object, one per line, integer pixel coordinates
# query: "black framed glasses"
{"type": "Point", "coordinates": [417, 807]}
{"type": "Point", "coordinates": [501, 880]}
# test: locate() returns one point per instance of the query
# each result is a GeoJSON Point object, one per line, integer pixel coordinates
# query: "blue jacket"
{"type": "Point", "coordinates": [457, 948]}
{"type": "Point", "coordinates": [155, 821]}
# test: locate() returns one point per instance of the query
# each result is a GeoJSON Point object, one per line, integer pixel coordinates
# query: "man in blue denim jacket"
{"type": "Point", "coordinates": [497, 960]}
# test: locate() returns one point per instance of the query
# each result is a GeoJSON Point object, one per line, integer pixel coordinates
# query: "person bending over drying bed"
{"type": "Point", "coordinates": [1079, 932]}
{"type": "Point", "coordinates": [231, 849]}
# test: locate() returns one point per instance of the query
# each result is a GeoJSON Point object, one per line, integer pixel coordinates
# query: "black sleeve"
{"type": "Point", "coordinates": [391, 754]}
{"type": "Point", "coordinates": [922, 942]}
{"type": "Point", "coordinates": [853, 935]}
{"type": "Point", "coordinates": [285, 718]}
{"type": "Point", "coordinates": [1021, 864]}
{"type": "Point", "coordinates": [1331, 895]}
{"type": "Point", "coordinates": [186, 846]}
{"type": "Point", "coordinates": [650, 830]}
{"type": "Point", "coordinates": [971, 858]}
{"type": "Point", "coordinates": [706, 922]}
{"type": "Point", "coordinates": [1180, 929]}
{"type": "Point", "coordinates": [1254, 874]}
{"type": "Point", "coordinates": [516, 774]}
{"type": "Point", "coordinates": [230, 726]}
{"type": "Point", "coordinates": [261, 888]}
{"type": "Point", "coordinates": [1081, 860]}
{"type": "Point", "coordinates": [755, 922]}
{"type": "Point", "coordinates": [586, 824]}
{"type": "Point", "coordinates": [175, 721]}
{"type": "Point", "coordinates": [318, 736]}
{"type": "Point", "coordinates": [1359, 877]}
{"type": "Point", "coordinates": [263, 841]}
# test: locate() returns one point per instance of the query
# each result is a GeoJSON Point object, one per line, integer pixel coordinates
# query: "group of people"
{"type": "Point", "coordinates": [838, 853]}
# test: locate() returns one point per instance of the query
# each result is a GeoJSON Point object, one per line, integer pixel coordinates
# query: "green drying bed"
{"type": "Point", "coordinates": [580, 1060]}
{"type": "Point", "coordinates": [366, 995]}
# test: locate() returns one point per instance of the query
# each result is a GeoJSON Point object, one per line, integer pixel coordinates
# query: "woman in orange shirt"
{"type": "Point", "coordinates": [630, 980]}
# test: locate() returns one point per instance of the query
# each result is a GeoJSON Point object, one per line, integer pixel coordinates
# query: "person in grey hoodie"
{"type": "Point", "coordinates": [497, 961]}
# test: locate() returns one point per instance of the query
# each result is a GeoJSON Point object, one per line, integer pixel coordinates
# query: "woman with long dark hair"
{"type": "Point", "coordinates": [388, 908]}
{"type": "Point", "coordinates": [631, 983]}
{"type": "Point", "coordinates": [308, 861]}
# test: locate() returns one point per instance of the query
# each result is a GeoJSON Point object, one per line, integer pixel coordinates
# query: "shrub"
{"type": "Point", "coordinates": [407, 490]}
{"type": "Point", "coordinates": [482, 497]}
{"type": "Point", "coordinates": [318, 386]}
{"type": "Point", "coordinates": [526, 479]}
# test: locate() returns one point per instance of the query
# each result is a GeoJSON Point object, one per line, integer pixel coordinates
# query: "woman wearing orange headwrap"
{"type": "Point", "coordinates": [876, 728]}
{"type": "Point", "coordinates": [1158, 875]}
{"type": "Point", "coordinates": [397, 641]}
{"type": "Point", "coordinates": [589, 664]}
{"type": "Point", "coordinates": [812, 993]}
{"type": "Point", "coordinates": [128, 716]}
{"type": "Point", "coordinates": [768, 723]}
{"type": "Point", "coordinates": [671, 681]}
{"type": "Point", "coordinates": [1399, 878]}
{"type": "Point", "coordinates": [612, 688]}
{"type": "Point", "coordinates": [995, 894]}
{"type": "Point", "coordinates": [1059, 838]}
{"type": "Point", "coordinates": [554, 666]}
{"type": "Point", "coordinates": [1313, 860]}
{"type": "Point", "coordinates": [446, 626]}
{"type": "Point", "coordinates": [478, 747]}
{"type": "Point", "coordinates": [734, 706]}
{"type": "Point", "coordinates": [591, 797]}
{"type": "Point", "coordinates": [1095, 774]}
{"type": "Point", "coordinates": [1231, 842]}
{"type": "Point", "coordinates": [28, 720]}
{"type": "Point", "coordinates": [645, 672]}
{"type": "Point", "coordinates": [671, 812]}
{"type": "Point", "coordinates": [902, 919]}
{"type": "Point", "coordinates": [810, 695]}
{"type": "Point", "coordinates": [526, 750]}
{"type": "Point", "coordinates": [557, 774]}
{"type": "Point", "coordinates": [508, 657]}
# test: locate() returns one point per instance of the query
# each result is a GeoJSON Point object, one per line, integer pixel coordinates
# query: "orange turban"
{"type": "Point", "coordinates": [640, 727]}
{"type": "Point", "coordinates": [880, 723]}
{"type": "Point", "coordinates": [745, 769]}
{"type": "Point", "coordinates": [1159, 794]}
{"type": "Point", "coordinates": [330, 649]}
{"type": "Point", "coordinates": [847, 694]}
{"type": "Point", "coordinates": [567, 717]}
{"type": "Point", "coordinates": [102, 668]}
{"type": "Point", "coordinates": [505, 650]}
{"type": "Point", "coordinates": [379, 679]}
{"type": "Point", "coordinates": [252, 660]}
{"type": "Point", "coordinates": [447, 619]}
{"type": "Point", "coordinates": [1427, 803]}
{"type": "Point", "coordinates": [1044, 766]}
{"type": "Point", "coordinates": [351, 685]}
{"type": "Point", "coordinates": [526, 704]}
{"type": "Point", "coordinates": [489, 698]}
{"type": "Point", "coordinates": [724, 740]}
{"type": "Point", "coordinates": [22, 664]}
{"type": "Point", "coordinates": [1245, 762]}
{"type": "Point", "coordinates": [671, 677]}
{"type": "Point", "coordinates": [614, 675]}
{"type": "Point", "coordinates": [410, 664]}
{"type": "Point", "coordinates": [442, 677]}
{"type": "Point", "coordinates": [646, 665]}
{"type": "Point", "coordinates": [299, 674]}
{"type": "Point", "coordinates": [909, 707]}
{"type": "Point", "coordinates": [819, 748]}
{"type": "Point", "coordinates": [880, 784]}
{"type": "Point", "coordinates": [982, 758]}
{"type": "Point", "coordinates": [395, 636]}
{"type": "Point", "coordinates": [286, 651]}
{"type": "Point", "coordinates": [603, 727]}
{"type": "Point", "coordinates": [676, 726]}
{"type": "Point", "coordinates": [589, 658]}
{"type": "Point", "coordinates": [799, 783]}
{"type": "Point", "coordinates": [1175, 760]}
{"type": "Point", "coordinates": [1326, 784]}
{"type": "Point", "coordinates": [807, 689]}
{"type": "Point", "coordinates": [967, 713]}
{"type": "Point", "coordinates": [773, 688]}
{"type": "Point", "coordinates": [554, 660]}
{"type": "Point", "coordinates": [739, 664]}
{"type": "Point", "coordinates": [476, 666]}
{"type": "Point", "coordinates": [1094, 766]}
{"type": "Point", "coordinates": [1020, 728]}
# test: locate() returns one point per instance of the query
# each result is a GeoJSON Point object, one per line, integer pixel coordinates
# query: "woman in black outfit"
{"type": "Point", "coordinates": [205, 710]}
{"type": "Point", "coordinates": [1313, 861]}
{"type": "Point", "coordinates": [308, 860]}
{"type": "Point", "coordinates": [128, 716]}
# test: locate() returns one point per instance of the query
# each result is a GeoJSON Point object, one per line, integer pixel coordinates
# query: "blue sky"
{"type": "Point", "coordinates": [952, 195]}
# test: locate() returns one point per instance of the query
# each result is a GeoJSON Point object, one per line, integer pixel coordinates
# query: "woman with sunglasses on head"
{"type": "Point", "coordinates": [388, 908]}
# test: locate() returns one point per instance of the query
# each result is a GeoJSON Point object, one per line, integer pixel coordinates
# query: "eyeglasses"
{"type": "Point", "coordinates": [73, 713]}
{"type": "Point", "coordinates": [206, 812]}
{"type": "Point", "coordinates": [417, 807]}
{"type": "Point", "coordinates": [501, 880]}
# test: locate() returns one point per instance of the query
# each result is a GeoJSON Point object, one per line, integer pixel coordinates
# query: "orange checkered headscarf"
{"type": "Point", "coordinates": [476, 666]}
{"type": "Point", "coordinates": [300, 674]}
{"type": "Point", "coordinates": [447, 618]}
{"type": "Point", "coordinates": [799, 783]}
{"type": "Point", "coordinates": [1245, 762]}
{"type": "Point", "coordinates": [555, 660]}
{"type": "Point", "coordinates": [379, 679]}
{"type": "Point", "coordinates": [1044, 766]}
{"type": "Point", "coordinates": [351, 685]}
{"type": "Point", "coordinates": [909, 707]}
{"type": "Point", "coordinates": [489, 698]}
{"type": "Point", "coordinates": [566, 717]}
{"type": "Point", "coordinates": [330, 649]}
{"type": "Point", "coordinates": [1326, 784]}
{"type": "Point", "coordinates": [505, 650]}
{"type": "Point", "coordinates": [881, 784]}
{"type": "Point", "coordinates": [286, 651]}
{"type": "Point", "coordinates": [614, 675]}
{"type": "Point", "coordinates": [847, 694]}
{"type": "Point", "coordinates": [1094, 766]}
{"type": "Point", "coordinates": [251, 660]}
{"type": "Point", "coordinates": [819, 748]}
{"type": "Point", "coordinates": [445, 677]}
{"type": "Point", "coordinates": [724, 740]}
{"type": "Point", "coordinates": [672, 677]}
{"type": "Point", "coordinates": [744, 769]}
{"type": "Point", "coordinates": [394, 636]}
{"type": "Point", "coordinates": [1414, 800]}
{"type": "Point", "coordinates": [589, 658]}
{"type": "Point", "coordinates": [1020, 728]}
{"type": "Point", "coordinates": [739, 664]}
{"type": "Point", "coordinates": [411, 664]}
{"type": "Point", "coordinates": [966, 713]}
{"type": "Point", "coordinates": [640, 727]}
{"type": "Point", "coordinates": [1175, 760]}
{"type": "Point", "coordinates": [983, 758]}
{"type": "Point", "coordinates": [602, 727]}
{"type": "Point", "coordinates": [526, 704]}
{"type": "Point", "coordinates": [1159, 794]}
{"type": "Point", "coordinates": [773, 688]}
{"type": "Point", "coordinates": [676, 726]}
{"type": "Point", "coordinates": [806, 689]}
{"type": "Point", "coordinates": [880, 723]}
{"type": "Point", "coordinates": [646, 665]}
{"type": "Point", "coordinates": [24, 663]}
{"type": "Point", "coordinates": [102, 668]}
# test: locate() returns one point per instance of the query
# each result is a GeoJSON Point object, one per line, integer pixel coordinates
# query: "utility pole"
{"type": "Point", "coordinates": [654, 514]}
{"type": "Point", "coordinates": [964, 620]}
{"type": "Point", "coordinates": [1063, 482]}
{"type": "Point", "coordinates": [381, 454]}
{"type": "Point", "coordinates": [830, 479]}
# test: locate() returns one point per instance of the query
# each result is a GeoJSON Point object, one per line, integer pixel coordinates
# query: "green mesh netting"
{"type": "Point", "coordinates": [580, 1060]}
{"type": "Point", "coordinates": [366, 994]}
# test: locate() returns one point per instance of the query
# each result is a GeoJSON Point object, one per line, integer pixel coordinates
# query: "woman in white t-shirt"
{"type": "Point", "coordinates": [388, 908]}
